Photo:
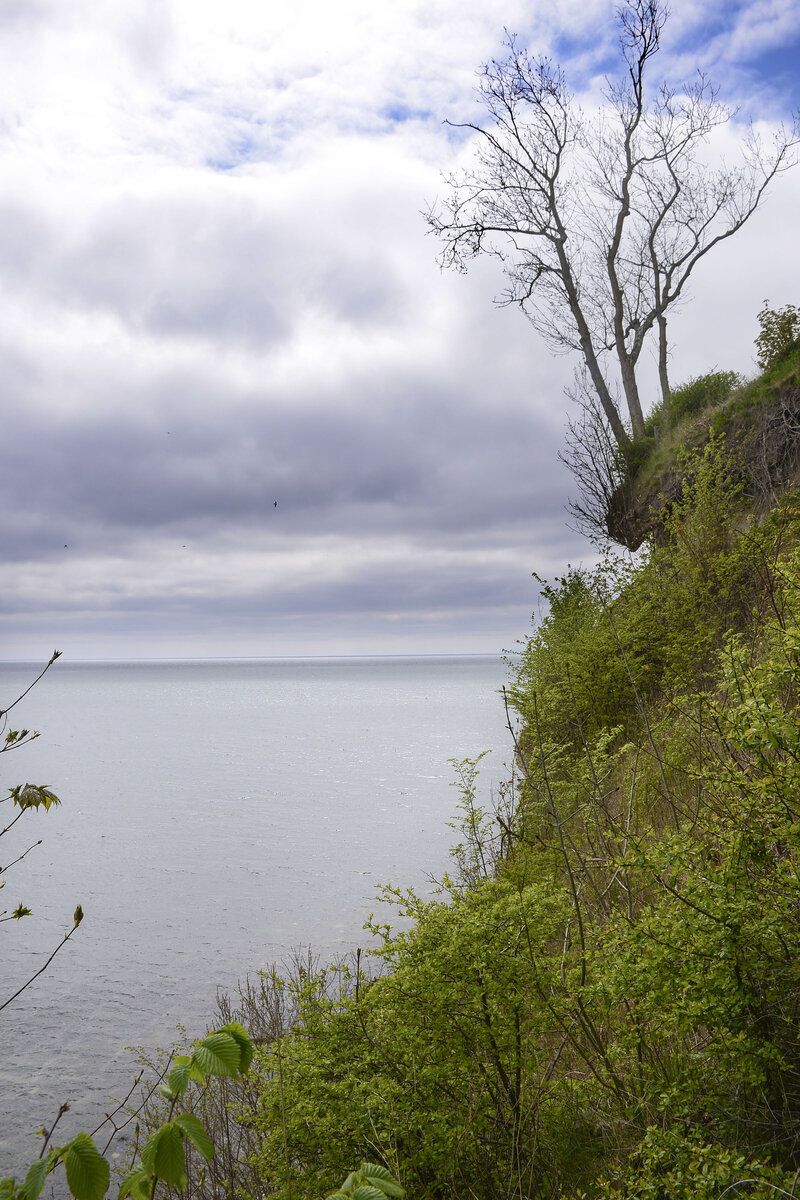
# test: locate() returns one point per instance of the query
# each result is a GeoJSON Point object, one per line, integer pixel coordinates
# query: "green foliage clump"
{"type": "Point", "coordinates": [697, 396]}
{"type": "Point", "coordinates": [718, 403]}
{"type": "Point", "coordinates": [779, 334]}
{"type": "Point", "coordinates": [426, 1065]}
{"type": "Point", "coordinates": [226, 1052]}
{"type": "Point", "coordinates": [617, 634]}
{"type": "Point", "coordinates": [369, 1182]}
{"type": "Point", "coordinates": [671, 1166]}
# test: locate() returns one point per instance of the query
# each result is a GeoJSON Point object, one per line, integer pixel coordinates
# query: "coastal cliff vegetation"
{"type": "Point", "coordinates": [602, 998]}
{"type": "Point", "coordinates": [758, 420]}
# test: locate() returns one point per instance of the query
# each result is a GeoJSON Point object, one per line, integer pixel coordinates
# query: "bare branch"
{"type": "Point", "coordinates": [599, 222]}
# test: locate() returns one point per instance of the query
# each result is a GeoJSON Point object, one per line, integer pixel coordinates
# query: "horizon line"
{"type": "Point", "coordinates": [263, 657]}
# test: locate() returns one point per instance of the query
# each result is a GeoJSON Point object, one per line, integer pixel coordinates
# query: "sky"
{"type": "Point", "coordinates": [244, 412]}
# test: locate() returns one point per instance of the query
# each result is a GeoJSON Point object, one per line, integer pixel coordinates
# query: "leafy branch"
{"type": "Point", "coordinates": [226, 1052]}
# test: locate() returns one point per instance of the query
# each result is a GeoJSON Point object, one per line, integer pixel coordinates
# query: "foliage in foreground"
{"type": "Point", "coordinates": [603, 999]}
{"type": "Point", "coordinates": [226, 1052]}
{"type": "Point", "coordinates": [369, 1182]}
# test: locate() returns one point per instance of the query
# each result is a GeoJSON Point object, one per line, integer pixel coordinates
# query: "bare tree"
{"type": "Point", "coordinates": [600, 220]}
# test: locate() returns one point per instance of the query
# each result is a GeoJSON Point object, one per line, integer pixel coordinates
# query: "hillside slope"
{"type": "Point", "coordinates": [603, 999]}
{"type": "Point", "coordinates": [759, 423]}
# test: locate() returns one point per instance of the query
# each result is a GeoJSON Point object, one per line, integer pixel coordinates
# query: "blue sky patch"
{"type": "Point", "coordinates": [399, 114]}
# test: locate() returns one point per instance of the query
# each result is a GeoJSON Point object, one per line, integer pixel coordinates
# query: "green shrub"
{"type": "Point", "coordinates": [692, 398]}
{"type": "Point", "coordinates": [780, 334]}
{"type": "Point", "coordinates": [682, 1166]}
{"type": "Point", "coordinates": [615, 999]}
{"type": "Point", "coordinates": [616, 635]}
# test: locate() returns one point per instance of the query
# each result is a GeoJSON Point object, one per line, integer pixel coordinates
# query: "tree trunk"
{"type": "Point", "coordinates": [587, 346]}
{"type": "Point", "coordinates": [663, 347]}
{"type": "Point", "coordinates": [604, 395]}
{"type": "Point", "coordinates": [631, 389]}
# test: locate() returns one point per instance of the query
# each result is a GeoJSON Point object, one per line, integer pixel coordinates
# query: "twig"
{"type": "Point", "coordinates": [4, 711]}
{"type": "Point", "coordinates": [14, 862]}
{"type": "Point", "coordinates": [48, 1133]}
{"type": "Point", "coordinates": [62, 943]}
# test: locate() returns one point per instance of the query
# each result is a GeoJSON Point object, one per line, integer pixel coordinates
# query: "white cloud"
{"type": "Point", "coordinates": [216, 290]}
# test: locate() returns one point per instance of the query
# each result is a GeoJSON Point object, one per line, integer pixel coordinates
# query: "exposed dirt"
{"type": "Point", "coordinates": [764, 446]}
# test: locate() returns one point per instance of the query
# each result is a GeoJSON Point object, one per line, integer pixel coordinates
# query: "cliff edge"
{"type": "Point", "coordinates": [760, 426]}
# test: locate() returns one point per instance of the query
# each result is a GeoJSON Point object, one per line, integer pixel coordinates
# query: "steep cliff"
{"type": "Point", "coordinates": [760, 426]}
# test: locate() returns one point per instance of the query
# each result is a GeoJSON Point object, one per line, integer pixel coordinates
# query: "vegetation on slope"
{"type": "Point", "coordinates": [759, 421]}
{"type": "Point", "coordinates": [603, 999]}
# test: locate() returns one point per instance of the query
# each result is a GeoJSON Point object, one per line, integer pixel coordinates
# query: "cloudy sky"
{"type": "Point", "coordinates": [217, 291]}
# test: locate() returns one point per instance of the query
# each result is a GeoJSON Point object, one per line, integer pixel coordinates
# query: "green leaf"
{"type": "Point", "coordinates": [383, 1179]}
{"type": "Point", "coordinates": [195, 1131]}
{"type": "Point", "coordinates": [242, 1038]}
{"type": "Point", "coordinates": [195, 1072]}
{"type": "Point", "coordinates": [28, 795]}
{"type": "Point", "coordinates": [366, 1192]}
{"type": "Point", "coordinates": [218, 1054]}
{"type": "Point", "coordinates": [138, 1184]}
{"type": "Point", "coordinates": [163, 1155]}
{"type": "Point", "coordinates": [8, 1188]}
{"type": "Point", "coordinates": [87, 1170]}
{"type": "Point", "coordinates": [34, 1180]}
{"type": "Point", "coordinates": [178, 1078]}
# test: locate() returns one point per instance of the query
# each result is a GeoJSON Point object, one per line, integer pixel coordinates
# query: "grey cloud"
{"type": "Point", "coordinates": [212, 267]}
{"type": "Point", "coordinates": [183, 346]}
{"type": "Point", "coordinates": [367, 589]}
{"type": "Point", "coordinates": [17, 13]}
{"type": "Point", "coordinates": [160, 266]}
{"type": "Point", "coordinates": [27, 241]}
{"type": "Point", "coordinates": [419, 463]}
{"type": "Point", "coordinates": [451, 441]}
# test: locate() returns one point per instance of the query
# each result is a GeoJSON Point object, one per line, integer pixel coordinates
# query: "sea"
{"type": "Point", "coordinates": [216, 817]}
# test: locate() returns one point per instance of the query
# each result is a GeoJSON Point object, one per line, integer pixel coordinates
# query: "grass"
{"type": "Point", "coordinates": [711, 404]}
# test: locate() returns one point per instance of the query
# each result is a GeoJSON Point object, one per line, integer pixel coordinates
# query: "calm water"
{"type": "Point", "coordinates": [215, 816]}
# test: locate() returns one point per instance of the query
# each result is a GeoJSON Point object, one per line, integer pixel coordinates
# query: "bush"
{"type": "Point", "coordinates": [626, 973]}
{"type": "Point", "coordinates": [780, 334]}
{"type": "Point", "coordinates": [692, 398]}
{"type": "Point", "coordinates": [682, 1166]}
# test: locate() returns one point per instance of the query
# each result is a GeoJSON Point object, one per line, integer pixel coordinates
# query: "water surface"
{"type": "Point", "coordinates": [216, 815]}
